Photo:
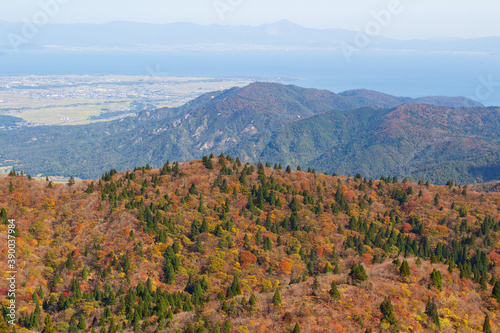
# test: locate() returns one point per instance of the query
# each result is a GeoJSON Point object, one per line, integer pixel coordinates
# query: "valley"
{"type": "Point", "coordinates": [84, 99]}
{"type": "Point", "coordinates": [360, 131]}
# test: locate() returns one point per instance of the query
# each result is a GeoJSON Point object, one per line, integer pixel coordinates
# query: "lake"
{"type": "Point", "coordinates": [412, 74]}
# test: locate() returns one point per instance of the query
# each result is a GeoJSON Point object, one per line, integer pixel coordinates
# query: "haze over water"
{"type": "Point", "coordinates": [404, 74]}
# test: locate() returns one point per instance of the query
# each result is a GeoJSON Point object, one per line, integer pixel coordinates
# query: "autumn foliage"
{"type": "Point", "coordinates": [216, 244]}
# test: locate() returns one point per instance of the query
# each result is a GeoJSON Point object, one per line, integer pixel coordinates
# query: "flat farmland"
{"type": "Point", "coordinates": [83, 99]}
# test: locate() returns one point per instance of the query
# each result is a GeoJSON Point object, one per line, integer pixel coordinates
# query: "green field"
{"type": "Point", "coordinates": [77, 100]}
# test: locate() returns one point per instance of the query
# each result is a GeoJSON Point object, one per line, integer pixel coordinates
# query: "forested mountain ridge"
{"type": "Point", "coordinates": [364, 96]}
{"type": "Point", "coordinates": [274, 122]}
{"type": "Point", "coordinates": [214, 245]}
{"type": "Point", "coordinates": [413, 140]}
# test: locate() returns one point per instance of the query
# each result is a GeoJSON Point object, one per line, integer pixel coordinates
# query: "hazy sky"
{"type": "Point", "coordinates": [413, 18]}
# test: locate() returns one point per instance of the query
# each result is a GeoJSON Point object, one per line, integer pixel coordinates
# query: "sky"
{"type": "Point", "coordinates": [407, 19]}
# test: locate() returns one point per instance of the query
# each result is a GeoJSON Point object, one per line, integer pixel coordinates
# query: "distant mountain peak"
{"type": "Point", "coordinates": [432, 100]}
{"type": "Point", "coordinates": [125, 35]}
{"type": "Point", "coordinates": [360, 91]}
{"type": "Point", "coordinates": [356, 131]}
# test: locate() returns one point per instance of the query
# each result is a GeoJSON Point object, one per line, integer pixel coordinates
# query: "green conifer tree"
{"type": "Point", "coordinates": [315, 286]}
{"type": "Point", "coordinates": [253, 300]}
{"type": "Point", "coordinates": [189, 329]}
{"type": "Point", "coordinates": [169, 273]}
{"type": "Point", "coordinates": [437, 279]}
{"type": "Point", "coordinates": [73, 325]}
{"type": "Point", "coordinates": [69, 261]}
{"type": "Point", "coordinates": [404, 269]}
{"type": "Point", "coordinates": [49, 326]}
{"type": "Point", "coordinates": [388, 311]}
{"type": "Point", "coordinates": [432, 312]}
{"type": "Point", "coordinates": [199, 246]}
{"type": "Point", "coordinates": [334, 292]}
{"type": "Point", "coordinates": [277, 298]}
{"type": "Point", "coordinates": [268, 246]}
{"type": "Point", "coordinates": [486, 324]}
{"type": "Point", "coordinates": [295, 204]}
{"type": "Point", "coordinates": [234, 289]}
{"type": "Point", "coordinates": [227, 326]}
{"type": "Point", "coordinates": [36, 317]}
{"type": "Point", "coordinates": [436, 200]}
{"type": "Point", "coordinates": [4, 217]}
{"type": "Point", "coordinates": [496, 291]}
{"type": "Point", "coordinates": [40, 292]}
{"type": "Point", "coordinates": [35, 297]}
{"type": "Point", "coordinates": [225, 307]}
{"type": "Point", "coordinates": [358, 273]}
{"type": "Point", "coordinates": [81, 323]}
{"type": "Point", "coordinates": [296, 329]}
{"type": "Point", "coordinates": [160, 327]}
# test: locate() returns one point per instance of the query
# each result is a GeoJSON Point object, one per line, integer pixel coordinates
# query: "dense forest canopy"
{"type": "Point", "coordinates": [216, 245]}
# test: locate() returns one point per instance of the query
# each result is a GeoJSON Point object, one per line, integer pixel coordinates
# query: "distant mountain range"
{"type": "Point", "coordinates": [283, 34]}
{"type": "Point", "coordinates": [356, 131]}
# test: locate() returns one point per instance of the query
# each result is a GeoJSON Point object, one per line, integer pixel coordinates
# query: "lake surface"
{"type": "Point", "coordinates": [412, 74]}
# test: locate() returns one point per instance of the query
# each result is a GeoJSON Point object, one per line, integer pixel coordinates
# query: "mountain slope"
{"type": "Point", "coordinates": [366, 98]}
{"type": "Point", "coordinates": [267, 121]}
{"type": "Point", "coordinates": [251, 248]}
{"type": "Point", "coordinates": [414, 140]}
